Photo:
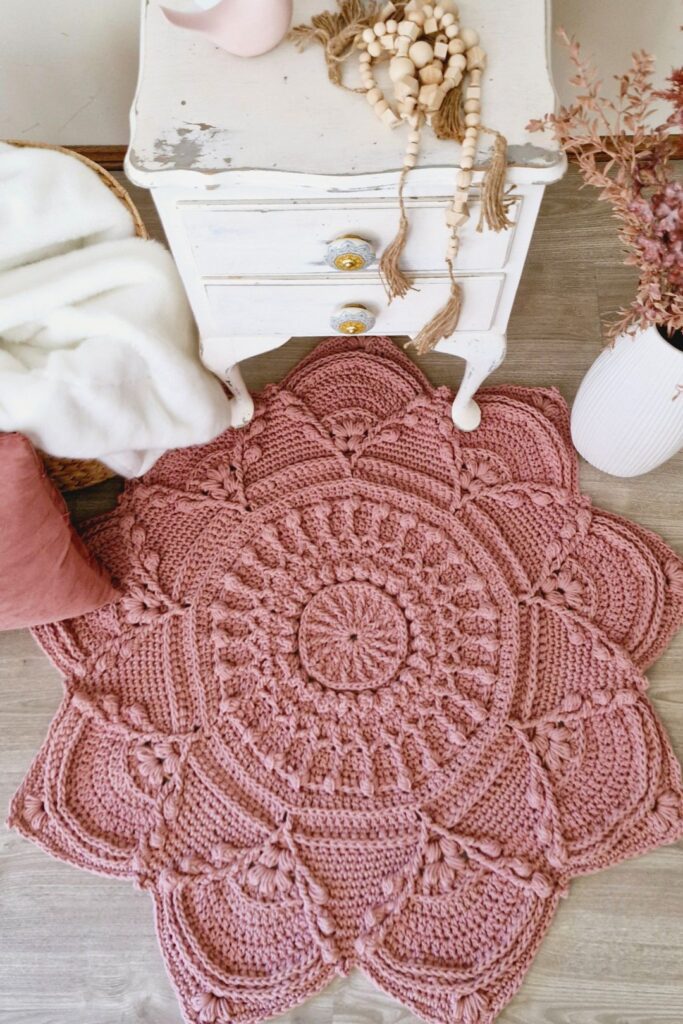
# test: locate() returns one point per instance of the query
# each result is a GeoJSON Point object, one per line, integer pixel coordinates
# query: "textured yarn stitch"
{"type": "Point", "coordinates": [372, 695]}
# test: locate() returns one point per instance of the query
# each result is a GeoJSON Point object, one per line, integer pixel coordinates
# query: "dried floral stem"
{"type": "Point", "coordinates": [623, 154]}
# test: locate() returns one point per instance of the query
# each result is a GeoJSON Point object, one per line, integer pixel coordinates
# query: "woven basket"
{"type": "Point", "coordinates": [73, 474]}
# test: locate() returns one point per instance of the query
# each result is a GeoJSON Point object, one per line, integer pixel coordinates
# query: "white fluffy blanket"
{"type": "Point", "coordinates": [98, 348]}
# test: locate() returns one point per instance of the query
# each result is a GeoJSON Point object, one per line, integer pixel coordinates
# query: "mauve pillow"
{"type": "Point", "coordinates": [46, 572]}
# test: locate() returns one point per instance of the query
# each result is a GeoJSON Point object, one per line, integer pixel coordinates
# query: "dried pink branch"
{"type": "Point", "coordinates": [622, 153]}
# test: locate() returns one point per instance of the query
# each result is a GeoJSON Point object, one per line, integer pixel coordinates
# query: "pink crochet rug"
{"type": "Point", "coordinates": [372, 696]}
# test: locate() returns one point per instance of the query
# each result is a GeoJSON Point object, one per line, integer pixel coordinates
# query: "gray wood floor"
{"type": "Point", "coordinates": [77, 949]}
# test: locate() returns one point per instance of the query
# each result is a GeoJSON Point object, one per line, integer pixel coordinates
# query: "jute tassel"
{"type": "Point", "coordinates": [395, 282]}
{"type": "Point", "coordinates": [337, 33]}
{"type": "Point", "coordinates": [444, 323]}
{"type": "Point", "coordinates": [449, 120]}
{"type": "Point", "coordinates": [494, 203]}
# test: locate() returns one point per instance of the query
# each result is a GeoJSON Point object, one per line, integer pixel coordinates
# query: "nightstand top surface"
{"type": "Point", "coordinates": [200, 114]}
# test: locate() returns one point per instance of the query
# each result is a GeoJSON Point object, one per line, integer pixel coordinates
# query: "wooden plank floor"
{"type": "Point", "coordinates": [77, 949]}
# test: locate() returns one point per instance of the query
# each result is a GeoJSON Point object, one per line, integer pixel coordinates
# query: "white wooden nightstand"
{"type": "Point", "coordinates": [256, 166]}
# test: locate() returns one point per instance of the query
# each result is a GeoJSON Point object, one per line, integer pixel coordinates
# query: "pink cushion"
{"type": "Point", "coordinates": [46, 571]}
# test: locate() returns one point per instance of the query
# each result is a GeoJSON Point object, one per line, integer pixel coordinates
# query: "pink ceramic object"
{"type": "Point", "coordinates": [245, 28]}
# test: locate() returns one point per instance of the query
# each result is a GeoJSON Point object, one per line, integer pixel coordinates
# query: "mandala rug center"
{"type": "Point", "coordinates": [371, 697]}
{"type": "Point", "coordinates": [352, 637]}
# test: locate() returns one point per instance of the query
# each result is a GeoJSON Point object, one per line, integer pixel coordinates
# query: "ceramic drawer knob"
{"type": "Point", "coordinates": [350, 253]}
{"type": "Point", "coordinates": [353, 320]}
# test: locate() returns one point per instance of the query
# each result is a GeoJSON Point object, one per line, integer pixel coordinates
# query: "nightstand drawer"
{"type": "Point", "coordinates": [306, 307]}
{"type": "Point", "coordinates": [291, 239]}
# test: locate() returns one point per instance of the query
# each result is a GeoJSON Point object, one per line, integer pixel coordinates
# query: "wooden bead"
{"type": "Point", "coordinates": [401, 67]}
{"type": "Point", "coordinates": [421, 54]}
{"type": "Point", "coordinates": [439, 97]}
{"type": "Point", "coordinates": [413, 147]}
{"type": "Point", "coordinates": [469, 37]}
{"type": "Point", "coordinates": [392, 27]}
{"type": "Point", "coordinates": [457, 60]}
{"type": "Point", "coordinates": [441, 48]}
{"type": "Point", "coordinates": [473, 92]}
{"type": "Point", "coordinates": [475, 76]}
{"type": "Point", "coordinates": [476, 58]}
{"type": "Point", "coordinates": [388, 10]}
{"type": "Point", "coordinates": [431, 97]}
{"type": "Point", "coordinates": [453, 76]}
{"type": "Point", "coordinates": [431, 75]}
{"type": "Point", "coordinates": [365, 57]}
{"type": "Point", "coordinates": [409, 29]}
{"type": "Point", "coordinates": [428, 10]}
{"type": "Point", "coordinates": [407, 106]}
{"type": "Point", "coordinates": [409, 160]}
{"type": "Point", "coordinates": [472, 119]}
{"type": "Point", "coordinates": [439, 12]}
{"type": "Point", "coordinates": [375, 48]}
{"type": "Point", "coordinates": [472, 106]}
{"type": "Point", "coordinates": [406, 87]}
{"type": "Point", "coordinates": [417, 18]}
{"type": "Point", "coordinates": [380, 29]}
{"type": "Point", "coordinates": [456, 46]}
{"type": "Point", "coordinates": [463, 179]}
{"type": "Point", "coordinates": [402, 45]}
{"type": "Point", "coordinates": [380, 106]}
{"type": "Point", "coordinates": [461, 197]}
{"type": "Point", "coordinates": [388, 43]}
{"type": "Point", "coordinates": [456, 218]}
{"type": "Point", "coordinates": [427, 95]}
{"type": "Point", "coordinates": [448, 19]}
{"type": "Point", "coordinates": [390, 119]}
{"type": "Point", "coordinates": [471, 133]}
{"type": "Point", "coordinates": [368, 35]}
{"type": "Point", "coordinates": [467, 163]}
{"type": "Point", "coordinates": [414, 135]}
{"type": "Point", "coordinates": [373, 96]}
{"type": "Point", "coordinates": [431, 26]}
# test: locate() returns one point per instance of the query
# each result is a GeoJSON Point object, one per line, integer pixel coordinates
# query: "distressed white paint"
{"type": "Point", "coordinates": [264, 306]}
{"type": "Point", "coordinates": [256, 166]}
{"type": "Point", "coordinates": [290, 117]}
{"type": "Point", "coordinates": [67, 69]}
{"type": "Point", "coordinates": [227, 238]}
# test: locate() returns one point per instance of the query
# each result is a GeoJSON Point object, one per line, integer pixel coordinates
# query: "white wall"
{"type": "Point", "coordinates": [68, 67]}
{"type": "Point", "coordinates": [610, 30]}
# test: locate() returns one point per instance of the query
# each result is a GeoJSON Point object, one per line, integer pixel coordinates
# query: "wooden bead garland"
{"type": "Point", "coordinates": [435, 70]}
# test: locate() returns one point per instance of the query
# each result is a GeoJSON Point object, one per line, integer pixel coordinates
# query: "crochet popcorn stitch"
{"type": "Point", "coordinates": [371, 697]}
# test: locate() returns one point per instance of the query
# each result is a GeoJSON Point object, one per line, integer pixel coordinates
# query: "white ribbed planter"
{"type": "Point", "coordinates": [625, 420]}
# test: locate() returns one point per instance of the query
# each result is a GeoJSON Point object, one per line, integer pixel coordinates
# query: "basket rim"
{"type": "Point", "coordinates": [108, 178]}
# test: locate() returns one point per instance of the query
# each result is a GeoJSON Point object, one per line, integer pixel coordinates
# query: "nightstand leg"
{"type": "Point", "coordinates": [215, 355]}
{"type": "Point", "coordinates": [482, 356]}
{"type": "Point", "coordinates": [242, 402]}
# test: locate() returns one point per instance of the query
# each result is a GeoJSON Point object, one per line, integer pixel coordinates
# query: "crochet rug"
{"type": "Point", "coordinates": [372, 695]}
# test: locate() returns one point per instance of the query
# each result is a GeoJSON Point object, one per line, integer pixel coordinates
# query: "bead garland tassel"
{"type": "Point", "coordinates": [435, 69]}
